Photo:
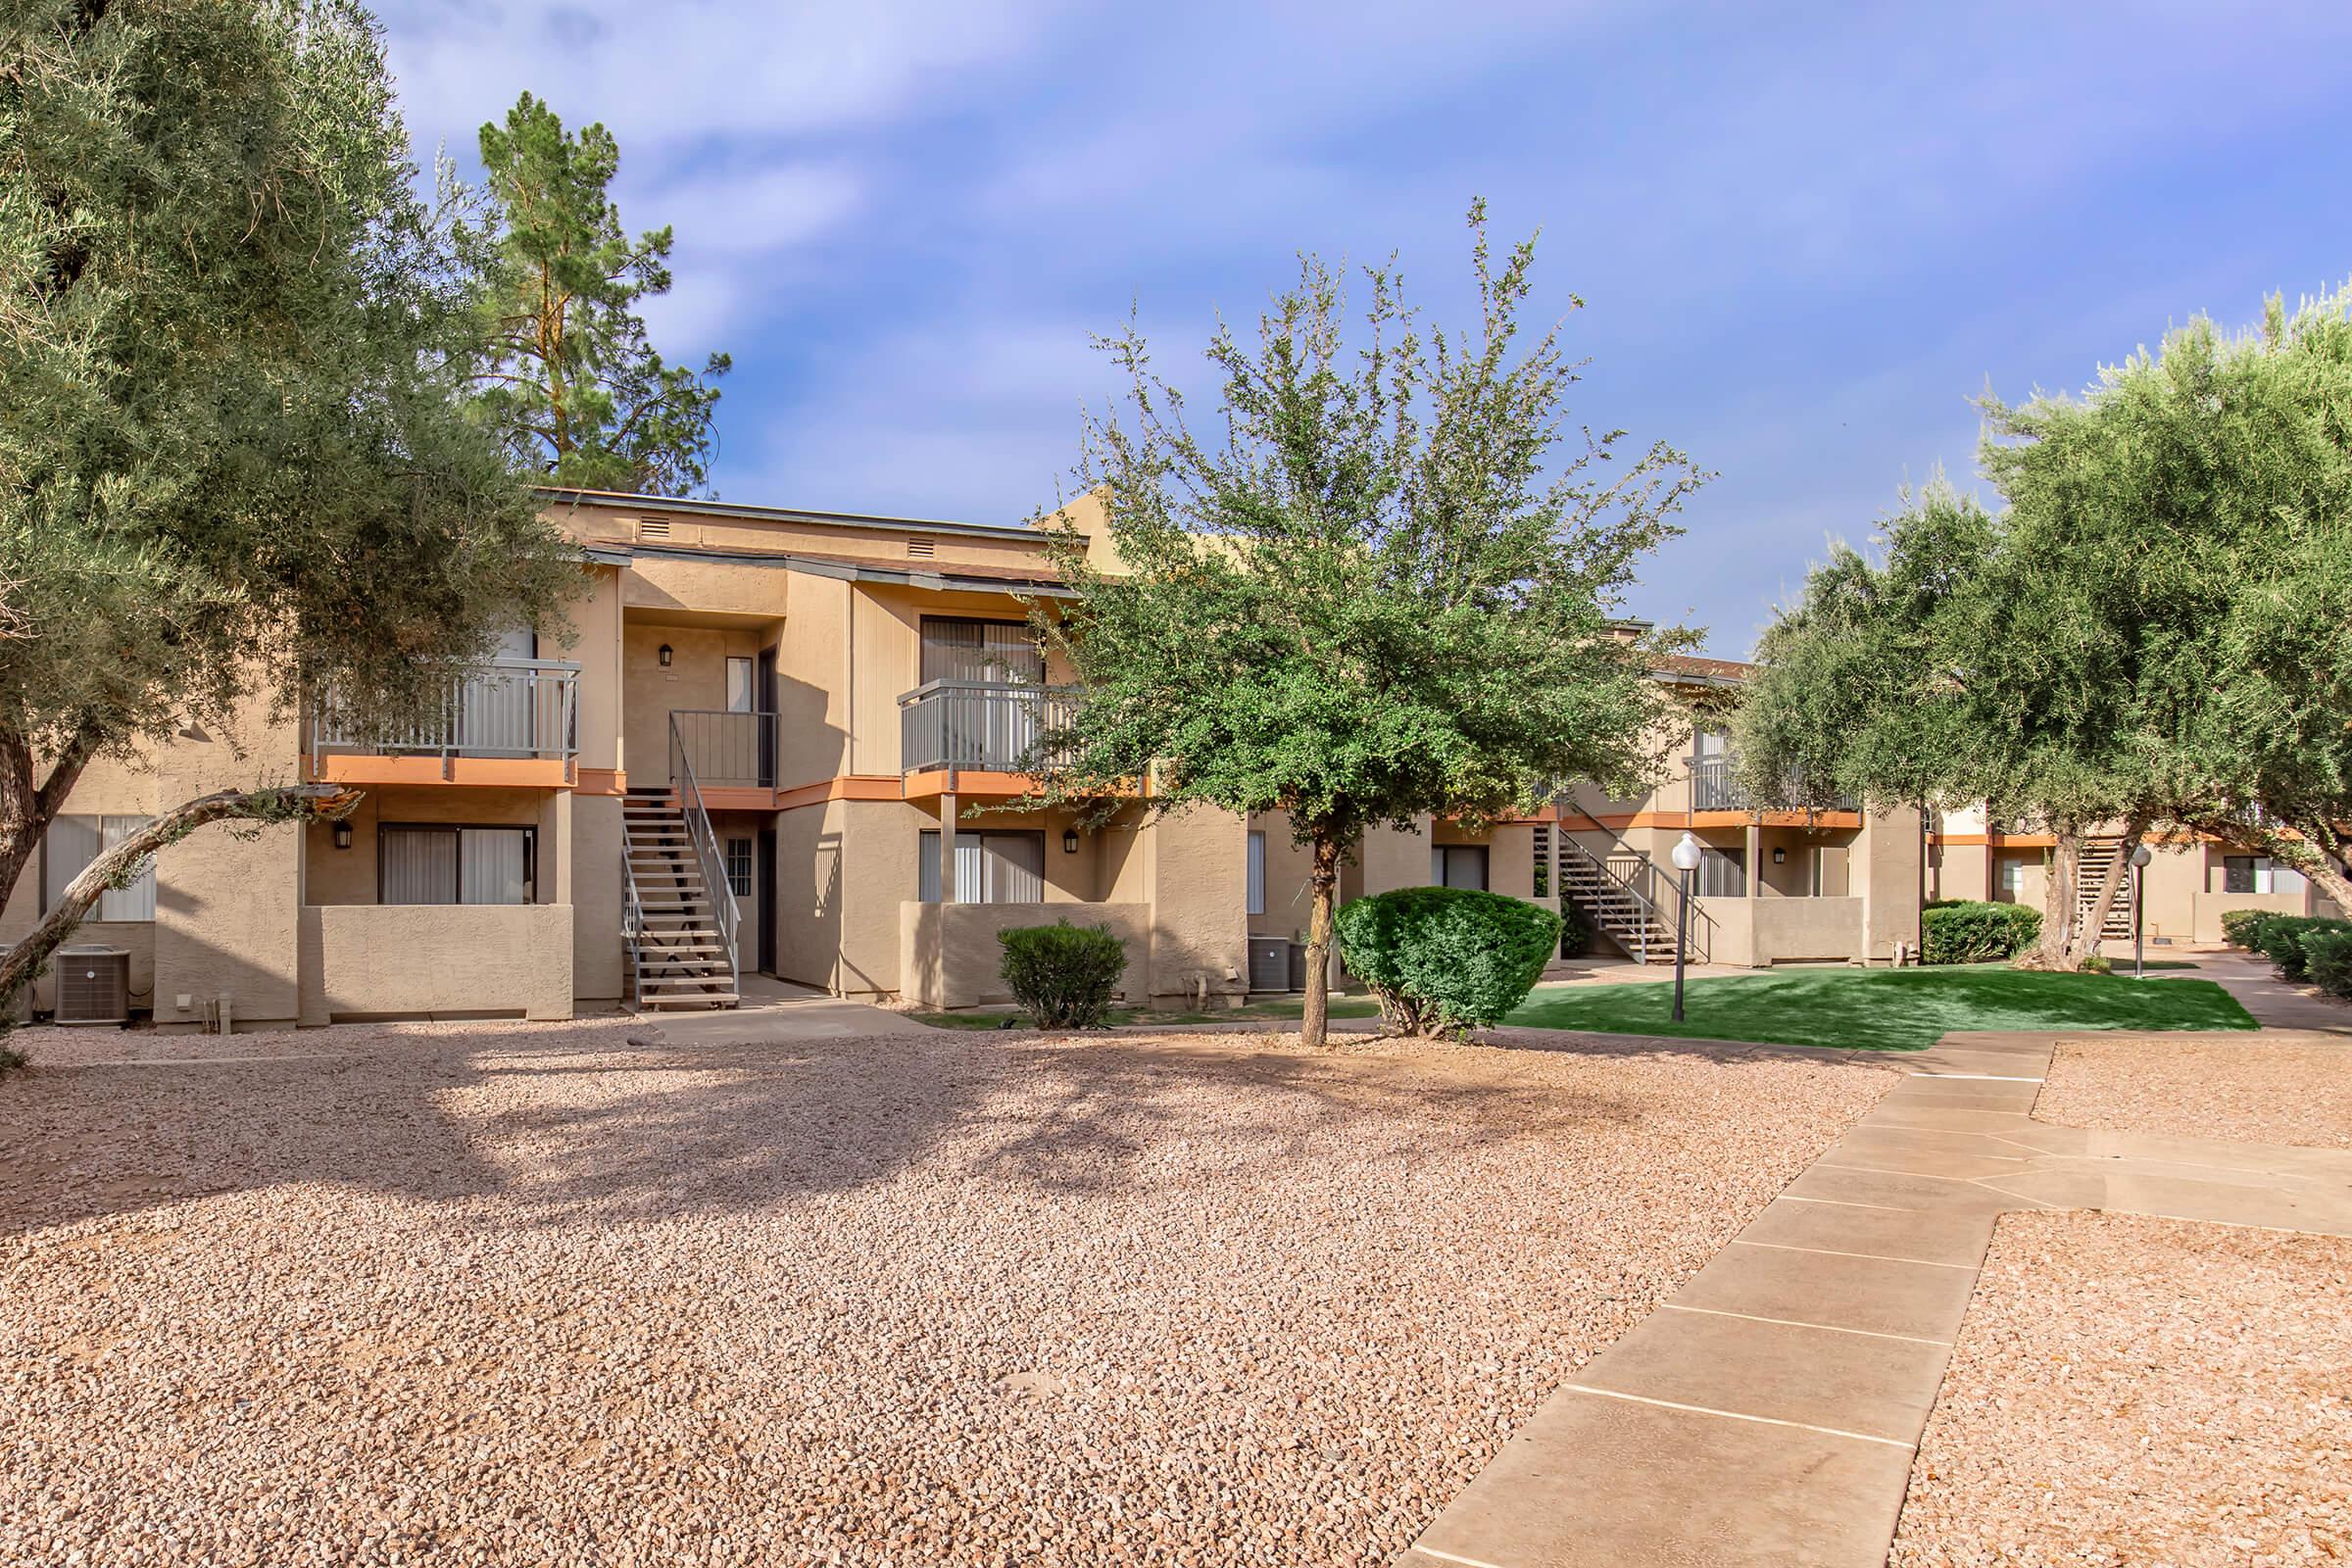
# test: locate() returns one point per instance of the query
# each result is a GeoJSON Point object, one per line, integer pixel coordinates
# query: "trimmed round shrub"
{"type": "Point", "coordinates": [2328, 961]}
{"type": "Point", "coordinates": [1966, 931]}
{"type": "Point", "coordinates": [2242, 928]}
{"type": "Point", "coordinates": [1063, 975]}
{"type": "Point", "coordinates": [1446, 960]}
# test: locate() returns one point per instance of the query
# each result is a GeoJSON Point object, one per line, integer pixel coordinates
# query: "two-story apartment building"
{"type": "Point", "coordinates": [788, 743]}
{"type": "Point", "coordinates": [770, 741]}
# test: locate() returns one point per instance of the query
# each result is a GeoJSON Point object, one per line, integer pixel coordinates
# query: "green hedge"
{"type": "Point", "coordinates": [1441, 960]}
{"type": "Point", "coordinates": [2287, 938]}
{"type": "Point", "coordinates": [2242, 928]}
{"type": "Point", "coordinates": [2327, 959]}
{"type": "Point", "coordinates": [1063, 975]}
{"type": "Point", "coordinates": [1962, 931]}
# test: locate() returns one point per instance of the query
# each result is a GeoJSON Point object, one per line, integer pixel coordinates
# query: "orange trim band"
{"type": "Point", "coordinates": [480, 773]}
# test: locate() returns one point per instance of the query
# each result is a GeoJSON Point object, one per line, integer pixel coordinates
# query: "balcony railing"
{"type": "Point", "coordinates": [728, 750]}
{"type": "Point", "coordinates": [1715, 787]}
{"type": "Point", "coordinates": [526, 708]}
{"type": "Point", "coordinates": [981, 724]}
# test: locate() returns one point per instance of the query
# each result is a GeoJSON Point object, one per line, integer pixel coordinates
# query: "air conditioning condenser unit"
{"type": "Point", "coordinates": [93, 985]}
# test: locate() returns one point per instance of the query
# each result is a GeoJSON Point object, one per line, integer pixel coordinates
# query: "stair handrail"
{"type": "Point", "coordinates": [705, 851]}
{"type": "Point", "coordinates": [632, 921]}
{"type": "Point", "coordinates": [1654, 896]}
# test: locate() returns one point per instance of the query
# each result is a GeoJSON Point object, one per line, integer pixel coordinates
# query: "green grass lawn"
{"type": "Point", "coordinates": [1883, 1009]}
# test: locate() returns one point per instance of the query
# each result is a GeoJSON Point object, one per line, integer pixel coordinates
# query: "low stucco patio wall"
{"type": "Point", "coordinates": [416, 961]}
{"type": "Point", "coordinates": [1781, 930]}
{"type": "Point", "coordinates": [952, 957]}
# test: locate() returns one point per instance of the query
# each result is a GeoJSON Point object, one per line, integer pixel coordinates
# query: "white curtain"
{"type": "Point", "coordinates": [989, 868]}
{"type": "Point", "coordinates": [420, 865]}
{"type": "Point", "coordinates": [492, 862]}
{"type": "Point", "coordinates": [137, 900]}
{"type": "Point", "coordinates": [1257, 873]}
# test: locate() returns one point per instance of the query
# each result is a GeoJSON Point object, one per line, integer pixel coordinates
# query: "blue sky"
{"type": "Point", "coordinates": [1806, 236]}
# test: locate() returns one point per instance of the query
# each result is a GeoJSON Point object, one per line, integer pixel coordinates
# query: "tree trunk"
{"type": "Point", "coordinates": [2058, 900]}
{"type": "Point", "coordinates": [2329, 873]}
{"type": "Point", "coordinates": [1323, 881]}
{"type": "Point", "coordinates": [2073, 937]}
{"type": "Point", "coordinates": [26, 812]}
{"type": "Point", "coordinates": [114, 868]}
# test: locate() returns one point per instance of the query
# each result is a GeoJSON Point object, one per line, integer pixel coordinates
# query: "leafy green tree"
{"type": "Point", "coordinates": [560, 367]}
{"type": "Point", "coordinates": [2149, 636]}
{"type": "Point", "coordinates": [231, 467]}
{"type": "Point", "coordinates": [1387, 589]}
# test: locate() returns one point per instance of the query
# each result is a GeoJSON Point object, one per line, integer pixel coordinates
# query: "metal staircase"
{"type": "Point", "coordinates": [2090, 870]}
{"type": "Point", "coordinates": [681, 952]}
{"type": "Point", "coordinates": [1617, 905]}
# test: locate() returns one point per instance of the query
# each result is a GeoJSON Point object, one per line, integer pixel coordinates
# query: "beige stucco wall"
{"type": "Point", "coordinates": [593, 642]}
{"type": "Point", "coordinates": [416, 961]}
{"type": "Point", "coordinates": [954, 959]}
{"type": "Point", "coordinates": [1887, 873]}
{"type": "Point", "coordinates": [1289, 866]}
{"type": "Point", "coordinates": [886, 542]}
{"type": "Point", "coordinates": [816, 663]}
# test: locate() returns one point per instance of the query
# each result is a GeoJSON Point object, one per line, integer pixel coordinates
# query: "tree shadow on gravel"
{"type": "Point", "coordinates": [502, 1127]}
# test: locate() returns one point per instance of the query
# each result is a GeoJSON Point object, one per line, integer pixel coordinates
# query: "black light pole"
{"type": "Point", "coordinates": [2141, 857]}
{"type": "Point", "coordinates": [1686, 860]}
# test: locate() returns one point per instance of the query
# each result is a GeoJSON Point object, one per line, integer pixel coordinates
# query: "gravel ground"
{"type": "Point", "coordinates": [2131, 1391]}
{"type": "Point", "coordinates": [2264, 1089]}
{"type": "Point", "coordinates": [517, 1294]}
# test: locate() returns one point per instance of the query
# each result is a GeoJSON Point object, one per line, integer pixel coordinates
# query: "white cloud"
{"type": "Point", "coordinates": [669, 75]}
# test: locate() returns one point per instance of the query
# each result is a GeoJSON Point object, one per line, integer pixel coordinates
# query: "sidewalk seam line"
{"type": "Point", "coordinates": [1797, 1323]}
{"type": "Point", "coordinates": [1448, 1556]}
{"type": "Point", "coordinates": [1846, 1202]}
{"type": "Point", "coordinates": [1832, 1252]}
{"type": "Point", "coordinates": [1738, 1415]}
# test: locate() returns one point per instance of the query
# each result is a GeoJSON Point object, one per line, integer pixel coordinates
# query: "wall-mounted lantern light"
{"type": "Point", "coordinates": [1069, 841]}
{"type": "Point", "coordinates": [342, 834]}
{"type": "Point", "coordinates": [1780, 857]}
{"type": "Point", "coordinates": [665, 655]}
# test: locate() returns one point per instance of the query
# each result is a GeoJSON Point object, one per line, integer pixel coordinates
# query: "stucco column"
{"type": "Point", "coordinates": [1755, 858]}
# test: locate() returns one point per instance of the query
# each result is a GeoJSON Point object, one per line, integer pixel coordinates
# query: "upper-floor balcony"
{"type": "Point", "coordinates": [981, 726]}
{"type": "Point", "coordinates": [727, 747]}
{"type": "Point", "coordinates": [514, 710]}
{"type": "Point", "coordinates": [1715, 786]}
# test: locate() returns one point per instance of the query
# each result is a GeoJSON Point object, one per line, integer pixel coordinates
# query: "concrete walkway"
{"type": "Point", "coordinates": [2275, 1003]}
{"type": "Point", "coordinates": [1769, 1413]}
{"type": "Point", "coordinates": [775, 1010]}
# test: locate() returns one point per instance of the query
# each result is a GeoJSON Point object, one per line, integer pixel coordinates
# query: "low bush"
{"type": "Point", "coordinates": [2283, 939]}
{"type": "Point", "coordinates": [1063, 975]}
{"type": "Point", "coordinates": [2328, 961]}
{"type": "Point", "coordinates": [1444, 959]}
{"type": "Point", "coordinates": [2287, 940]}
{"type": "Point", "coordinates": [2096, 964]}
{"type": "Point", "coordinates": [2242, 928]}
{"type": "Point", "coordinates": [1962, 931]}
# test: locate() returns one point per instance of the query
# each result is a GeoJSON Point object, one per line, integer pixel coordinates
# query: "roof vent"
{"type": "Point", "coordinates": [653, 527]}
{"type": "Point", "coordinates": [923, 545]}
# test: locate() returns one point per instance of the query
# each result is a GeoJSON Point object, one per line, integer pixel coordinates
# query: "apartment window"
{"type": "Point", "coordinates": [1257, 873]}
{"type": "Point", "coordinates": [990, 867]}
{"type": "Point", "coordinates": [1458, 865]}
{"type": "Point", "coordinates": [739, 867]}
{"type": "Point", "coordinates": [1711, 745]}
{"type": "Point", "coordinates": [1000, 651]}
{"type": "Point", "coordinates": [73, 843]}
{"type": "Point", "coordinates": [739, 686]}
{"type": "Point", "coordinates": [1722, 874]}
{"type": "Point", "coordinates": [1541, 888]}
{"type": "Point", "coordinates": [419, 864]}
{"type": "Point", "coordinates": [2013, 879]}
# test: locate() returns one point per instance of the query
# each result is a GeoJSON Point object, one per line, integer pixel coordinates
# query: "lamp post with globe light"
{"type": "Point", "coordinates": [2141, 857]}
{"type": "Point", "coordinates": [1686, 860]}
